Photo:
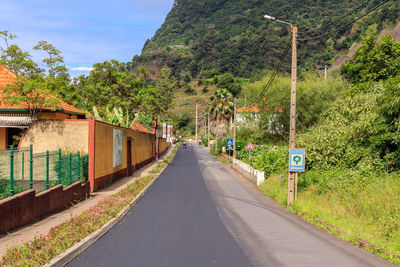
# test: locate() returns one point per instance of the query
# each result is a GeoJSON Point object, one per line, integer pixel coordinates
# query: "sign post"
{"type": "Point", "coordinates": [249, 147]}
{"type": "Point", "coordinates": [297, 160]}
{"type": "Point", "coordinates": [164, 130]}
{"type": "Point", "coordinates": [296, 165]}
{"type": "Point", "coordinates": [169, 133]}
{"type": "Point", "coordinates": [229, 142]}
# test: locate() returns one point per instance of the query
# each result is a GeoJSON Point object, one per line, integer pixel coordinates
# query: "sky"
{"type": "Point", "coordinates": [86, 31]}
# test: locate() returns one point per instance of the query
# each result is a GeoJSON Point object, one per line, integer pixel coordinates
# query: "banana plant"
{"type": "Point", "coordinates": [116, 117]}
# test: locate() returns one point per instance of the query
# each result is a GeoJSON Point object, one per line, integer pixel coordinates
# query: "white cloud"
{"type": "Point", "coordinates": [82, 69]}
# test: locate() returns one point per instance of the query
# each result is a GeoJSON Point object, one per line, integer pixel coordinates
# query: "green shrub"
{"type": "Point", "coordinates": [204, 142]}
{"type": "Point", "coordinates": [269, 159]}
{"type": "Point", "coordinates": [359, 130]}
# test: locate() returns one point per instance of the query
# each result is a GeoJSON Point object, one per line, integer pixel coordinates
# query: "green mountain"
{"type": "Point", "coordinates": [207, 37]}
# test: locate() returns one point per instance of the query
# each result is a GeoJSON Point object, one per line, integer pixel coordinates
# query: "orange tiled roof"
{"type": "Point", "coordinates": [141, 128]}
{"type": "Point", "coordinates": [252, 108]}
{"type": "Point", "coordinates": [8, 77]}
{"type": "Point", "coordinates": [255, 109]}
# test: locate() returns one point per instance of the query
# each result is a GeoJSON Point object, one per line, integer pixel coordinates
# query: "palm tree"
{"type": "Point", "coordinates": [221, 109]}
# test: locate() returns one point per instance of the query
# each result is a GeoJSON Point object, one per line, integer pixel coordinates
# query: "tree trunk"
{"type": "Point", "coordinates": [216, 133]}
{"type": "Point", "coordinates": [216, 143]}
{"type": "Point", "coordinates": [230, 125]}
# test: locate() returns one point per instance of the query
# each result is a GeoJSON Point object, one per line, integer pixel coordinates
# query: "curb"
{"type": "Point", "coordinates": [74, 251]}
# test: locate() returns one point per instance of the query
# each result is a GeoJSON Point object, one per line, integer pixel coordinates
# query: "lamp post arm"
{"type": "Point", "coordinates": [284, 22]}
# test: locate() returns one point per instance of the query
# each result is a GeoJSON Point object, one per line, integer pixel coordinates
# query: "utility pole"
{"type": "Point", "coordinates": [208, 131]}
{"type": "Point", "coordinates": [292, 177]}
{"type": "Point", "coordinates": [205, 128]}
{"type": "Point", "coordinates": [156, 141]}
{"type": "Point", "coordinates": [234, 129]}
{"type": "Point", "coordinates": [196, 125]}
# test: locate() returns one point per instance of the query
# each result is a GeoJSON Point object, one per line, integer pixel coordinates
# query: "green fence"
{"type": "Point", "coordinates": [22, 170]}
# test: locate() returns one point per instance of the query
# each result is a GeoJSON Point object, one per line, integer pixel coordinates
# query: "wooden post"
{"type": "Point", "coordinates": [208, 131]}
{"type": "Point", "coordinates": [326, 72]}
{"type": "Point", "coordinates": [234, 130]}
{"type": "Point", "coordinates": [205, 128]}
{"type": "Point", "coordinates": [156, 148]}
{"type": "Point", "coordinates": [196, 125]}
{"type": "Point", "coordinates": [292, 181]}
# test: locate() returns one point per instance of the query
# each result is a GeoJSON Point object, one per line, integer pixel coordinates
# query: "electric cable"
{"type": "Point", "coordinates": [337, 20]}
{"type": "Point", "coordinates": [346, 25]}
{"type": "Point", "coordinates": [276, 70]}
{"type": "Point", "coordinates": [278, 67]}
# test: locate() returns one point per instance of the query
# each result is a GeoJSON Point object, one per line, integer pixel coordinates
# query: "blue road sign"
{"type": "Point", "coordinates": [229, 142]}
{"type": "Point", "coordinates": [297, 160]}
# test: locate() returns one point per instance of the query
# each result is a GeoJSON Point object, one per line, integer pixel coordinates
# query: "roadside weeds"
{"type": "Point", "coordinates": [332, 214]}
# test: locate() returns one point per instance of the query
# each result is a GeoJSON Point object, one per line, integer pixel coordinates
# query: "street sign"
{"type": "Point", "coordinates": [164, 130]}
{"type": "Point", "coordinates": [229, 142]}
{"type": "Point", "coordinates": [249, 146]}
{"type": "Point", "coordinates": [297, 160]}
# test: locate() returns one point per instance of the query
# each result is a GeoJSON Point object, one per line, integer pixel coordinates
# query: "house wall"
{"type": "Point", "coordinates": [142, 152]}
{"type": "Point", "coordinates": [69, 135]}
{"type": "Point", "coordinates": [94, 138]}
{"type": "Point", "coordinates": [163, 144]}
{"type": "Point", "coordinates": [56, 116]}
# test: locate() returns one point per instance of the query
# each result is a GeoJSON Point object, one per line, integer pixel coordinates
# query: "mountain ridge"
{"type": "Point", "coordinates": [231, 36]}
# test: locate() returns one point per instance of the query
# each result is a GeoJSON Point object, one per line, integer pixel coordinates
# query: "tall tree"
{"type": "Point", "coordinates": [17, 60]}
{"type": "Point", "coordinates": [105, 86]}
{"type": "Point", "coordinates": [54, 62]}
{"type": "Point", "coordinates": [165, 86]}
{"type": "Point", "coordinates": [57, 78]}
{"type": "Point", "coordinates": [31, 86]}
{"type": "Point", "coordinates": [374, 60]}
{"type": "Point", "coordinates": [221, 109]}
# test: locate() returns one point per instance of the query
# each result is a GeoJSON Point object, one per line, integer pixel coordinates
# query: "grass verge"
{"type": "Point", "coordinates": [359, 206]}
{"type": "Point", "coordinates": [366, 215]}
{"type": "Point", "coordinates": [62, 237]}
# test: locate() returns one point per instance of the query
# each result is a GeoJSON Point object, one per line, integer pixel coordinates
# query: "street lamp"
{"type": "Point", "coordinates": [277, 20]}
{"type": "Point", "coordinates": [292, 177]}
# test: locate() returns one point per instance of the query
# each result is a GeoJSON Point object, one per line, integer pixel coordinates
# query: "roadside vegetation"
{"type": "Point", "coordinates": [111, 92]}
{"type": "Point", "coordinates": [62, 237]}
{"type": "Point", "coordinates": [349, 126]}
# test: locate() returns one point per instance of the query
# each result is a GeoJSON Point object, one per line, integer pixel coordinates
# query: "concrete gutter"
{"type": "Point", "coordinates": [74, 251]}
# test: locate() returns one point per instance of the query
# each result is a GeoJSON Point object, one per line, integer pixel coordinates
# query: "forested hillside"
{"type": "Point", "coordinates": [217, 36]}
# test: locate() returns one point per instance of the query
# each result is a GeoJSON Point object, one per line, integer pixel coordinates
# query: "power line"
{"type": "Point", "coordinates": [278, 67]}
{"type": "Point", "coordinates": [276, 70]}
{"type": "Point", "coordinates": [337, 20]}
{"type": "Point", "coordinates": [346, 25]}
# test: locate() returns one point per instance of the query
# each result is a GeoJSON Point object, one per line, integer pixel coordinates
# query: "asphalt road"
{"type": "Point", "coordinates": [201, 213]}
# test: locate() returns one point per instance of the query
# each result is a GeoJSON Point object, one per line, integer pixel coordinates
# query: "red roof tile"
{"type": "Point", "coordinates": [8, 77]}
{"type": "Point", "coordinates": [141, 128]}
{"type": "Point", "coordinates": [252, 108]}
{"type": "Point", "coordinates": [255, 109]}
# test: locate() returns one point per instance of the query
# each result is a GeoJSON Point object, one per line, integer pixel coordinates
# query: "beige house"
{"type": "Point", "coordinates": [14, 120]}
